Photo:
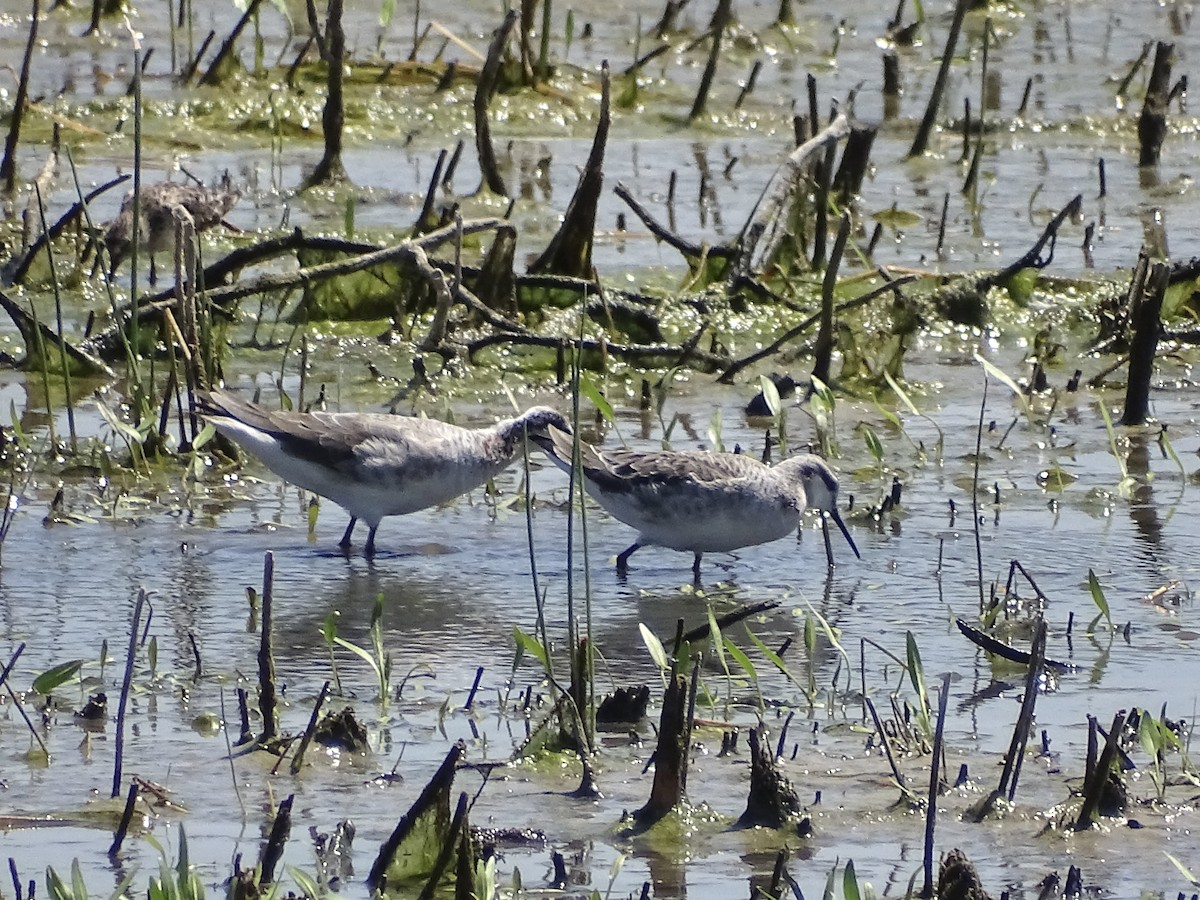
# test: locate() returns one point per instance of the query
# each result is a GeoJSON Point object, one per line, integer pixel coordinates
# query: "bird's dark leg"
{"type": "Point", "coordinates": [153, 271]}
{"type": "Point", "coordinates": [696, 566]}
{"type": "Point", "coordinates": [344, 543]}
{"type": "Point", "coordinates": [369, 550]}
{"type": "Point", "coordinates": [623, 556]}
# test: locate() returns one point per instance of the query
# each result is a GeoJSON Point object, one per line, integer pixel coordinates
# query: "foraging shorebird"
{"type": "Point", "coordinates": [374, 465]}
{"type": "Point", "coordinates": [697, 501]}
{"type": "Point", "coordinates": [157, 205]}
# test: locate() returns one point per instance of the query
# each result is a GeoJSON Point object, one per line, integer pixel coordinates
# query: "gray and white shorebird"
{"type": "Point", "coordinates": [157, 203]}
{"type": "Point", "coordinates": [697, 501]}
{"type": "Point", "coordinates": [371, 464]}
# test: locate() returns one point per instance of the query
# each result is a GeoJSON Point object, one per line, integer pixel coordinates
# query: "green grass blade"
{"type": "Point", "coordinates": [770, 395]}
{"type": "Point", "coordinates": [361, 653]}
{"type": "Point", "coordinates": [718, 641]}
{"type": "Point", "coordinates": [994, 372]}
{"type": "Point", "coordinates": [1183, 870]}
{"type": "Point", "coordinates": [654, 645]}
{"type": "Point", "coordinates": [1098, 597]}
{"type": "Point", "coordinates": [56, 677]}
{"type": "Point", "coordinates": [531, 645]}
{"type": "Point", "coordinates": [588, 388]}
{"type": "Point", "coordinates": [742, 660]}
{"type": "Point", "coordinates": [850, 882]}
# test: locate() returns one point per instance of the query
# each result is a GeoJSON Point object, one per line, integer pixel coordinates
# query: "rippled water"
{"type": "Point", "coordinates": [456, 580]}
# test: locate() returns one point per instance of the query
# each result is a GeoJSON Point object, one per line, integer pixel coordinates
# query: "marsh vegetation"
{"type": "Point", "coordinates": [950, 247]}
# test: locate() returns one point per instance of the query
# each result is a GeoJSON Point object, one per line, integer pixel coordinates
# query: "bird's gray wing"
{"type": "Point", "coordinates": [336, 439]}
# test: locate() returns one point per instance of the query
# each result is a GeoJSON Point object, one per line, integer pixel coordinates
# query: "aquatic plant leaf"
{"type": "Point", "coordinates": [1183, 870]}
{"type": "Point", "coordinates": [588, 388]}
{"type": "Point", "coordinates": [1098, 596]}
{"type": "Point", "coordinates": [654, 645]}
{"type": "Point", "coordinates": [770, 394]}
{"type": "Point", "coordinates": [901, 393]}
{"type": "Point", "coordinates": [850, 883]}
{"type": "Point", "coordinates": [1055, 478]}
{"type": "Point", "coordinates": [78, 885]}
{"type": "Point", "coordinates": [874, 447]}
{"type": "Point", "coordinates": [771, 656]}
{"type": "Point", "coordinates": [204, 435]}
{"type": "Point", "coordinates": [57, 887]}
{"type": "Point", "coordinates": [1148, 735]}
{"type": "Point", "coordinates": [18, 431]}
{"type": "Point", "coordinates": [828, 893]}
{"type": "Point", "coordinates": [360, 652]}
{"type": "Point", "coordinates": [893, 217]}
{"type": "Point", "coordinates": [831, 635]}
{"type": "Point", "coordinates": [1166, 445]}
{"type": "Point", "coordinates": [714, 433]}
{"type": "Point", "coordinates": [742, 660]}
{"type": "Point", "coordinates": [126, 431]}
{"type": "Point", "coordinates": [45, 683]}
{"type": "Point", "coordinates": [1020, 285]}
{"type": "Point", "coordinates": [485, 878]}
{"type": "Point", "coordinates": [307, 884]}
{"type": "Point", "coordinates": [329, 627]}
{"type": "Point", "coordinates": [916, 675]}
{"type": "Point", "coordinates": [531, 645]}
{"type": "Point", "coordinates": [718, 641]}
{"type": "Point", "coordinates": [992, 370]}
{"type": "Point", "coordinates": [615, 869]}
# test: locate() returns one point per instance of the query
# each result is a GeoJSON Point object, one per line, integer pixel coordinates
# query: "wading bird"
{"type": "Point", "coordinates": [157, 205]}
{"type": "Point", "coordinates": [370, 464]}
{"type": "Point", "coordinates": [696, 501]}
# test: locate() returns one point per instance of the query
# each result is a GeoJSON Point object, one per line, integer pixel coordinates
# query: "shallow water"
{"type": "Point", "coordinates": [456, 580]}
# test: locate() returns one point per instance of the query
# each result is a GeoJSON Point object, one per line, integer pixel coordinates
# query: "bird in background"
{"type": "Point", "coordinates": [157, 204]}
{"type": "Point", "coordinates": [697, 501]}
{"type": "Point", "coordinates": [374, 465]}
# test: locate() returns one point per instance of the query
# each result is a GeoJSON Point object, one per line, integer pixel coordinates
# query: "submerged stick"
{"type": "Point", "coordinates": [670, 754]}
{"type": "Point", "coordinates": [129, 657]}
{"type": "Point", "coordinates": [791, 334]}
{"type": "Point", "coordinates": [570, 250]}
{"type": "Point", "coordinates": [1094, 788]}
{"type": "Point", "coordinates": [126, 818]}
{"type": "Point", "coordinates": [12, 695]}
{"type": "Point", "coordinates": [1152, 124]}
{"type": "Point", "coordinates": [991, 645]}
{"type": "Point", "coordinates": [935, 777]}
{"type": "Point", "coordinates": [772, 799]}
{"type": "Point", "coordinates": [488, 78]}
{"type": "Point", "coordinates": [55, 230]}
{"type": "Point", "coordinates": [435, 792]}
{"type": "Point", "coordinates": [767, 225]}
{"type": "Point", "coordinates": [921, 142]}
{"type": "Point", "coordinates": [1147, 323]}
{"type": "Point", "coordinates": [213, 75]}
{"type": "Point", "coordinates": [823, 351]}
{"type": "Point", "coordinates": [8, 166]}
{"type": "Point", "coordinates": [333, 116]}
{"type": "Point", "coordinates": [298, 759]}
{"type": "Point", "coordinates": [720, 20]}
{"type": "Point", "coordinates": [1020, 738]}
{"type": "Point", "coordinates": [266, 658]}
{"type": "Point", "coordinates": [281, 829]}
{"type": "Point", "coordinates": [449, 844]}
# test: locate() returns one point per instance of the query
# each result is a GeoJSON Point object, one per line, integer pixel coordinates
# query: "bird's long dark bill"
{"type": "Point", "coordinates": [833, 514]}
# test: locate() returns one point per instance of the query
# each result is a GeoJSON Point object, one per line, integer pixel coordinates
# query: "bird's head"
{"type": "Point", "coordinates": [536, 422]}
{"type": "Point", "coordinates": [820, 489]}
